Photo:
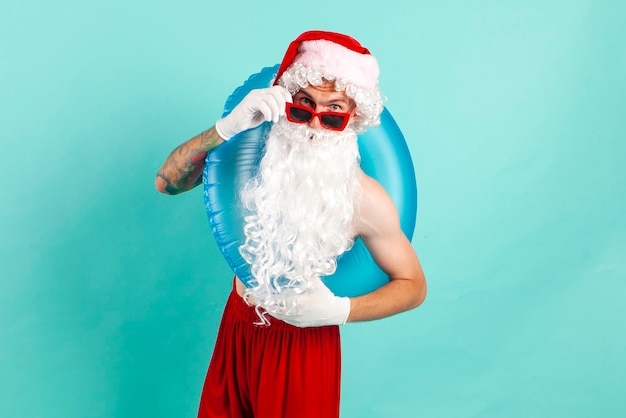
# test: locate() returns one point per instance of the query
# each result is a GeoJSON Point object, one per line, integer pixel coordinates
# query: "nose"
{"type": "Point", "coordinates": [315, 123]}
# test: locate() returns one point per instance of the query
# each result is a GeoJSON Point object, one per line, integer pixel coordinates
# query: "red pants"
{"type": "Point", "coordinates": [276, 371]}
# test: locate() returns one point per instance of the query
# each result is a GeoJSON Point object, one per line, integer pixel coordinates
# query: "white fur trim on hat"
{"type": "Point", "coordinates": [340, 62]}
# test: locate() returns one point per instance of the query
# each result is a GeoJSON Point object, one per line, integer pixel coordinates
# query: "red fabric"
{"type": "Point", "coordinates": [276, 371]}
{"type": "Point", "coordinates": [338, 38]}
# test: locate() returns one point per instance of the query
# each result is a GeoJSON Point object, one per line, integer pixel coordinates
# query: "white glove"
{"type": "Point", "coordinates": [257, 107]}
{"type": "Point", "coordinates": [317, 307]}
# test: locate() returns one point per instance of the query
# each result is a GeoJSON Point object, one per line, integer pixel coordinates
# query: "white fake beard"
{"type": "Point", "coordinates": [303, 201]}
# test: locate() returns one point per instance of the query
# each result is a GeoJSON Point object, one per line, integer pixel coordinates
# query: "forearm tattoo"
{"type": "Point", "coordinates": [183, 168]}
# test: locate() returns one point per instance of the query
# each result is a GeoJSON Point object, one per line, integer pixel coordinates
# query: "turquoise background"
{"type": "Point", "coordinates": [111, 294]}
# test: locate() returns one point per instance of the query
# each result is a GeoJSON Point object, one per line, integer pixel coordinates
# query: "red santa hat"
{"type": "Point", "coordinates": [335, 54]}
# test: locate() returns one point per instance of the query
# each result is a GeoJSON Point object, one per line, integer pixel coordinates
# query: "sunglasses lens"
{"type": "Point", "coordinates": [299, 115]}
{"type": "Point", "coordinates": [333, 121]}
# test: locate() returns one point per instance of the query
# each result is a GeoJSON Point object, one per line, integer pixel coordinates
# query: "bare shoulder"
{"type": "Point", "coordinates": [374, 197]}
{"type": "Point", "coordinates": [377, 212]}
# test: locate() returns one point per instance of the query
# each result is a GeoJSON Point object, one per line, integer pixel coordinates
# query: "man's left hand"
{"type": "Point", "coordinates": [317, 307]}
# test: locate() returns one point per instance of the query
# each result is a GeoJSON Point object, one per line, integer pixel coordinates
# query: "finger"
{"type": "Point", "coordinates": [282, 97]}
{"type": "Point", "coordinates": [284, 93]}
{"type": "Point", "coordinates": [276, 105]}
{"type": "Point", "coordinates": [265, 110]}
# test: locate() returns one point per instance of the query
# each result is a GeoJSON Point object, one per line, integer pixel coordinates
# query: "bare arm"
{"type": "Point", "coordinates": [379, 227]}
{"type": "Point", "coordinates": [182, 170]}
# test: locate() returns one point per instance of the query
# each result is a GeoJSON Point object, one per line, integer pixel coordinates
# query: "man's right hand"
{"type": "Point", "coordinates": [257, 107]}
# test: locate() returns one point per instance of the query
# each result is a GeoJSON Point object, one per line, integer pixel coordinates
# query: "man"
{"type": "Point", "coordinates": [277, 352]}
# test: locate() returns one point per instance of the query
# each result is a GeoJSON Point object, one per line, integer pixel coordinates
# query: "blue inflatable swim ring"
{"type": "Point", "coordinates": [384, 156]}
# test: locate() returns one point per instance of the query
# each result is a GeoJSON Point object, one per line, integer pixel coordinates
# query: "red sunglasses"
{"type": "Point", "coordinates": [336, 121]}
